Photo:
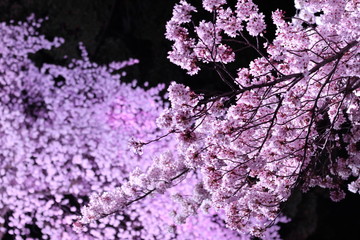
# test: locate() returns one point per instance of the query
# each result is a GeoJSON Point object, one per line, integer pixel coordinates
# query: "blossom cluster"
{"type": "Point", "coordinates": [290, 120]}
{"type": "Point", "coordinates": [207, 46]}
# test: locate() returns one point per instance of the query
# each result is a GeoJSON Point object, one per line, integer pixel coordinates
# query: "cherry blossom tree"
{"type": "Point", "coordinates": [290, 120]}
{"type": "Point", "coordinates": [64, 136]}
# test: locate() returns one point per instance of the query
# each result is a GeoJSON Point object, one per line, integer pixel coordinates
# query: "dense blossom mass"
{"type": "Point", "coordinates": [63, 133]}
{"type": "Point", "coordinates": [288, 121]}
